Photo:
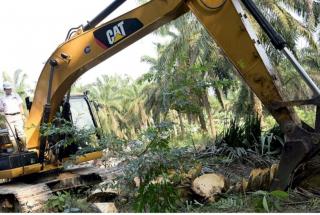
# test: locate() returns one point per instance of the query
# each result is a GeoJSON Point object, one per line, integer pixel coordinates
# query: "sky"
{"type": "Point", "coordinates": [31, 30]}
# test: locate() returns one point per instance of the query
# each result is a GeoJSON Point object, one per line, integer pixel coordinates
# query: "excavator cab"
{"type": "Point", "coordinates": [82, 111]}
{"type": "Point", "coordinates": [83, 115]}
{"type": "Point", "coordinates": [79, 112]}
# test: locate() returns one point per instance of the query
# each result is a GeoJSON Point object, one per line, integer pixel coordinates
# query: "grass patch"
{"type": "Point", "coordinates": [260, 201]}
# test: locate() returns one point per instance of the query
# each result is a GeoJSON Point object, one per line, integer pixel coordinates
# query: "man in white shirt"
{"type": "Point", "coordinates": [11, 106]}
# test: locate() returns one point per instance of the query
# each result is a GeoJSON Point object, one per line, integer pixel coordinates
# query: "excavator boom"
{"type": "Point", "coordinates": [227, 24]}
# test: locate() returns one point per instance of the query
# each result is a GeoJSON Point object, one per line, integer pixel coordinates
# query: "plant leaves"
{"type": "Point", "coordinates": [260, 192]}
{"type": "Point", "coordinates": [279, 194]}
{"type": "Point", "coordinates": [265, 204]}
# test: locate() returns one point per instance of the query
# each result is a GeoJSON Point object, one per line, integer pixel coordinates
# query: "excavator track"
{"type": "Point", "coordinates": [30, 194]}
{"type": "Point", "coordinates": [21, 197]}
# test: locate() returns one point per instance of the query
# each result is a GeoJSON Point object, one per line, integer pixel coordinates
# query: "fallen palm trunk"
{"type": "Point", "coordinates": [209, 186]}
{"type": "Point", "coordinates": [259, 179]}
{"type": "Point", "coordinates": [106, 207]}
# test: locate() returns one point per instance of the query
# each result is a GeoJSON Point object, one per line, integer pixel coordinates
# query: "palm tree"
{"type": "Point", "coordinates": [309, 10]}
{"type": "Point", "coordinates": [106, 90]}
{"type": "Point", "coordinates": [310, 59]}
{"type": "Point", "coordinates": [278, 14]}
{"type": "Point", "coordinates": [135, 113]}
{"type": "Point", "coordinates": [123, 111]}
{"type": "Point", "coordinates": [187, 67]}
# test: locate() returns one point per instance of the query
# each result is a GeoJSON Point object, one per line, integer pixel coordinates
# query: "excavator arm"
{"type": "Point", "coordinates": [228, 25]}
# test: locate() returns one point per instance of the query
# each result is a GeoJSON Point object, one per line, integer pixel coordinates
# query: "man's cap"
{"type": "Point", "coordinates": [7, 85]}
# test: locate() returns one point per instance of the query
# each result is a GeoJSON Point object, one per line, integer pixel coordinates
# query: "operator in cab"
{"type": "Point", "coordinates": [11, 107]}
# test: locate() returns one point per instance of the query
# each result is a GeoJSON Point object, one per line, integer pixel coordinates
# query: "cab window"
{"type": "Point", "coordinates": [81, 116]}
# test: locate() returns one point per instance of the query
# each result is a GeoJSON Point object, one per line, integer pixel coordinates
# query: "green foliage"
{"type": "Point", "coordinates": [272, 141]}
{"type": "Point", "coordinates": [112, 143]}
{"type": "Point", "coordinates": [252, 130]}
{"type": "Point", "coordinates": [227, 204]}
{"type": "Point", "coordinates": [240, 138]}
{"type": "Point", "coordinates": [158, 168]}
{"type": "Point", "coordinates": [193, 139]}
{"type": "Point", "coordinates": [269, 201]}
{"type": "Point", "coordinates": [65, 202]}
{"type": "Point", "coordinates": [158, 191]}
{"type": "Point", "coordinates": [233, 135]}
{"type": "Point", "coordinates": [63, 134]}
{"type": "Point", "coordinates": [284, 22]}
{"type": "Point", "coordinates": [157, 137]}
{"type": "Point", "coordinates": [232, 202]}
{"type": "Point", "coordinates": [245, 134]}
{"type": "Point", "coordinates": [307, 115]}
{"type": "Point", "coordinates": [156, 197]}
{"type": "Point", "coordinates": [158, 173]}
{"type": "Point", "coordinates": [155, 162]}
{"type": "Point", "coordinates": [57, 202]}
{"type": "Point", "coordinates": [243, 102]}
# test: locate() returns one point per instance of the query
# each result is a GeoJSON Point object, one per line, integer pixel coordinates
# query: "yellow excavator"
{"type": "Point", "coordinates": [228, 24]}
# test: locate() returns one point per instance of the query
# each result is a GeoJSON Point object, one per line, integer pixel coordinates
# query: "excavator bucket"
{"type": "Point", "coordinates": [301, 145]}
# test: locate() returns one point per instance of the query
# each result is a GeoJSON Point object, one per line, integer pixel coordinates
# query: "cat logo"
{"type": "Point", "coordinates": [116, 34]}
{"type": "Point", "coordinates": [111, 34]}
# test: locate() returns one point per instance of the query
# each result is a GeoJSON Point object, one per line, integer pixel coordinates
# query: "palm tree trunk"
{"type": "Point", "coordinates": [143, 115]}
{"type": "Point", "coordinates": [189, 115]}
{"type": "Point", "coordinates": [175, 132]}
{"type": "Point", "coordinates": [256, 106]}
{"type": "Point", "coordinates": [217, 91]}
{"type": "Point", "coordinates": [202, 121]}
{"type": "Point", "coordinates": [208, 110]}
{"type": "Point", "coordinates": [181, 125]}
{"type": "Point", "coordinates": [219, 97]}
